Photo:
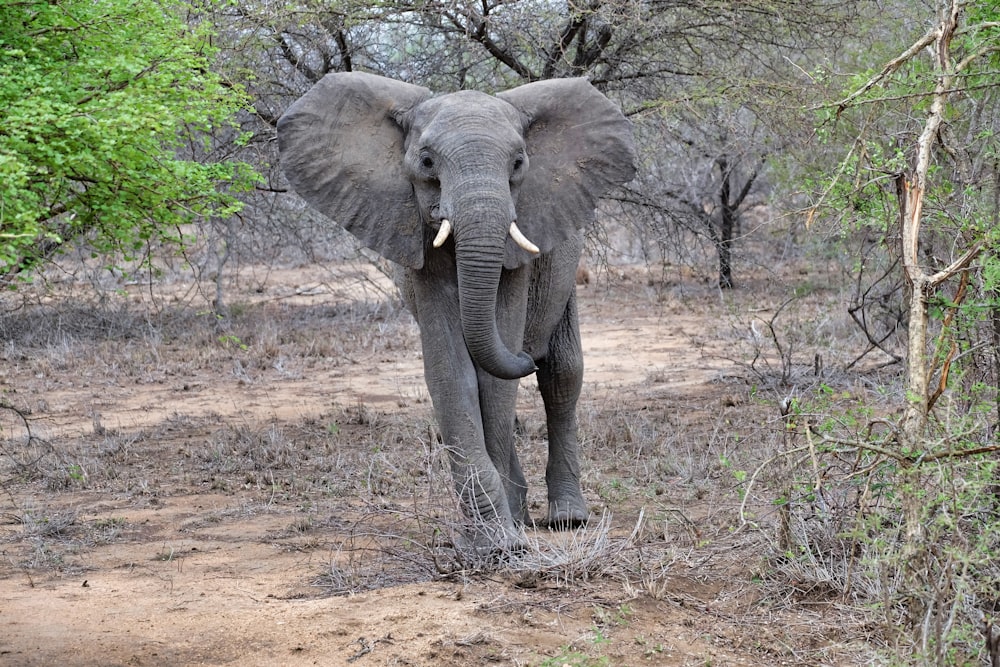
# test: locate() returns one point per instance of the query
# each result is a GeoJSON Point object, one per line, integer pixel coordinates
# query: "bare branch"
{"type": "Point", "coordinates": [890, 67]}
{"type": "Point", "coordinates": [958, 266]}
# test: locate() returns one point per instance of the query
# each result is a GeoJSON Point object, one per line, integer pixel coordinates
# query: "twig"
{"type": "Point", "coordinates": [753, 479]}
{"type": "Point", "coordinates": [858, 444]}
{"type": "Point", "coordinates": [891, 67]}
{"type": "Point", "coordinates": [29, 438]}
{"type": "Point", "coordinates": [368, 646]}
{"type": "Point", "coordinates": [953, 348]}
{"type": "Point", "coordinates": [904, 460]}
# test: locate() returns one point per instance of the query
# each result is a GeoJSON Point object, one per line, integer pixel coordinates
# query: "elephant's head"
{"type": "Point", "coordinates": [507, 177]}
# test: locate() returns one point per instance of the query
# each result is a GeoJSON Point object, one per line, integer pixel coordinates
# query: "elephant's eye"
{"type": "Point", "coordinates": [426, 161]}
{"type": "Point", "coordinates": [518, 163]}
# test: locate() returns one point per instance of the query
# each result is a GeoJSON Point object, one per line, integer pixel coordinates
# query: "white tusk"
{"type": "Point", "coordinates": [442, 233]}
{"type": "Point", "coordinates": [522, 240]}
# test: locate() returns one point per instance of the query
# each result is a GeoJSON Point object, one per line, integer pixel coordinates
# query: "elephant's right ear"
{"type": "Point", "coordinates": [341, 147]}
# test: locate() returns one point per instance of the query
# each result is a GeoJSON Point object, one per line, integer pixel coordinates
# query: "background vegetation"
{"type": "Point", "coordinates": [861, 136]}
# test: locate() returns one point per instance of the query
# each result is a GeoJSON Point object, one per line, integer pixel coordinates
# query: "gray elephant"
{"type": "Point", "coordinates": [482, 200]}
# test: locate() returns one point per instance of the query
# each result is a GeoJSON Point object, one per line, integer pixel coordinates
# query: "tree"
{"type": "Point", "coordinates": [925, 141]}
{"type": "Point", "coordinates": [105, 110]}
{"type": "Point", "coordinates": [706, 175]}
{"type": "Point", "coordinates": [700, 80]}
{"type": "Point", "coordinates": [922, 175]}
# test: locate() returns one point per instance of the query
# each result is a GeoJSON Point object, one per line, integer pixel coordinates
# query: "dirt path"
{"type": "Point", "coordinates": [174, 554]}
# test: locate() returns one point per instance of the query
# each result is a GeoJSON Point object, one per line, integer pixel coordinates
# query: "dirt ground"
{"type": "Point", "coordinates": [266, 489]}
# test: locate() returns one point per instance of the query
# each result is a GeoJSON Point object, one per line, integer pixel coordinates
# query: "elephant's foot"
{"type": "Point", "coordinates": [494, 539]}
{"type": "Point", "coordinates": [478, 547]}
{"type": "Point", "coordinates": [567, 513]}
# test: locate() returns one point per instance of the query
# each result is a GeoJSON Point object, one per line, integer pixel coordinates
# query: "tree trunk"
{"type": "Point", "coordinates": [910, 192]}
{"type": "Point", "coordinates": [726, 228]}
{"type": "Point", "coordinates": [727, 224]}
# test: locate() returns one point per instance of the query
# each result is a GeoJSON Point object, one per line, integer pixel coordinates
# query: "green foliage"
{"type": "Point", "coordinates": [232, 342]}
{"type": "Point", "coordinates": [873, 123]}
{"type": "Point", "coordinates": [105, 112]}
{"type": "Point", "coordinates": [870, 131]}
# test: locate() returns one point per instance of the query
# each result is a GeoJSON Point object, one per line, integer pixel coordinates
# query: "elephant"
{"type": "Point", "coordinates": [481, 201]}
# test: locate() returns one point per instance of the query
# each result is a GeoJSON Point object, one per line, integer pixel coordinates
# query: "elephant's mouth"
{"type": "Point", "coordinates": [444, 231]}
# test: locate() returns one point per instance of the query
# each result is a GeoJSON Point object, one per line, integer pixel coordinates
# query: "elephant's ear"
{"type": "Point", "coordinates": [579, 145]}
{"type": "Point", "coordinates": [341, 147]}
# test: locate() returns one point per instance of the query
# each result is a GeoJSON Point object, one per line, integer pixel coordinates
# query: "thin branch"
{"type": "Point", "coordinates": [288, 53]}
{"type": "Point", "coordinates": [958, 266]}
{"type": "Point", "coordinates": [749, 182]}
{"type": "Point", "coordinates": [477, 29]}
{"type": "Point", "coordinates": [890, 67]}
{"type": "Point", "coordinates": [953, 347]}
{"type": "Point", "coordinates": [345, 50]}
{"type": "Point", "coordinates": [966, 61]}
{"type": "Point", "coordinates": [753, 479]}
{"type": "Point", "coordinates": [957, 454]}
{"type": "Point", "coordinates": [902, 459]}
{"type": "Point", "coordinates": [565, 39]}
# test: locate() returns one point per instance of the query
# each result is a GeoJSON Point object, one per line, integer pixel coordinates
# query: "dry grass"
{"type": "Point", "coordinates": [368, 489]}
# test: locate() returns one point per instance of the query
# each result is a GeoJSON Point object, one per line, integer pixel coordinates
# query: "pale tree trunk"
{"type": "Point", "coordinates": [914, 437]}
{"type": "Point", "coordinates": [911, 189]}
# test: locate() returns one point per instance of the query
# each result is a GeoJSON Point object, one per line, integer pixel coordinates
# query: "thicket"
{"type": "Point", "coordinates": [896, 500]}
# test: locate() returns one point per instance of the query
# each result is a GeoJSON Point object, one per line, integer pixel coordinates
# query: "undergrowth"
{"type": "Point", "coordinates": [909, 537]}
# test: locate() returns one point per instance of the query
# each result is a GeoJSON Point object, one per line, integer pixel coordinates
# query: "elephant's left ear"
{"type": "Point", "coordinates": [579, 145]}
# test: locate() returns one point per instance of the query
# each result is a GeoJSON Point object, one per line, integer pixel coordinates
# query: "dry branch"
{"type": "Point", "coordinates": [891, 67]}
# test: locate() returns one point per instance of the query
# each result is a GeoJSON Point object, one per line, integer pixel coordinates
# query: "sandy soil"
{"type": "Point", "coordinates": [146, 552]}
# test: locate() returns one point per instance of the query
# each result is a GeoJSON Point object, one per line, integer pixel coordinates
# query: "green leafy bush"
{"type": "Point", "coordinates": [105, 112]}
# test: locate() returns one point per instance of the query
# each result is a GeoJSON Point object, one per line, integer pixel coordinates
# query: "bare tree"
{"type": "Point", "coordinates": [696, 78]}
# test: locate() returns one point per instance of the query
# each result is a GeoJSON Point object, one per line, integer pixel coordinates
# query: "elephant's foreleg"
{"type": "Point", "coordinates": [560, 378]}
{"type": "Point", "coordinates": [453, 383]}
{"type": "Point", "coordinates": [481, 487]}
{"type": "Point", "coordinates": [498, 399]}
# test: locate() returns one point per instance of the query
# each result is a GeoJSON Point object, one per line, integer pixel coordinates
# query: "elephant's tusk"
{"type": "Point", "coordinates": [443, 233]}
{"type": "Point", "coordinates": [522, 240]}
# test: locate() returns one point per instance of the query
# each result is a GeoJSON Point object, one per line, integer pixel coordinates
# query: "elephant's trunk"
{"type": "Point", "coordinates": [479, 252]}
